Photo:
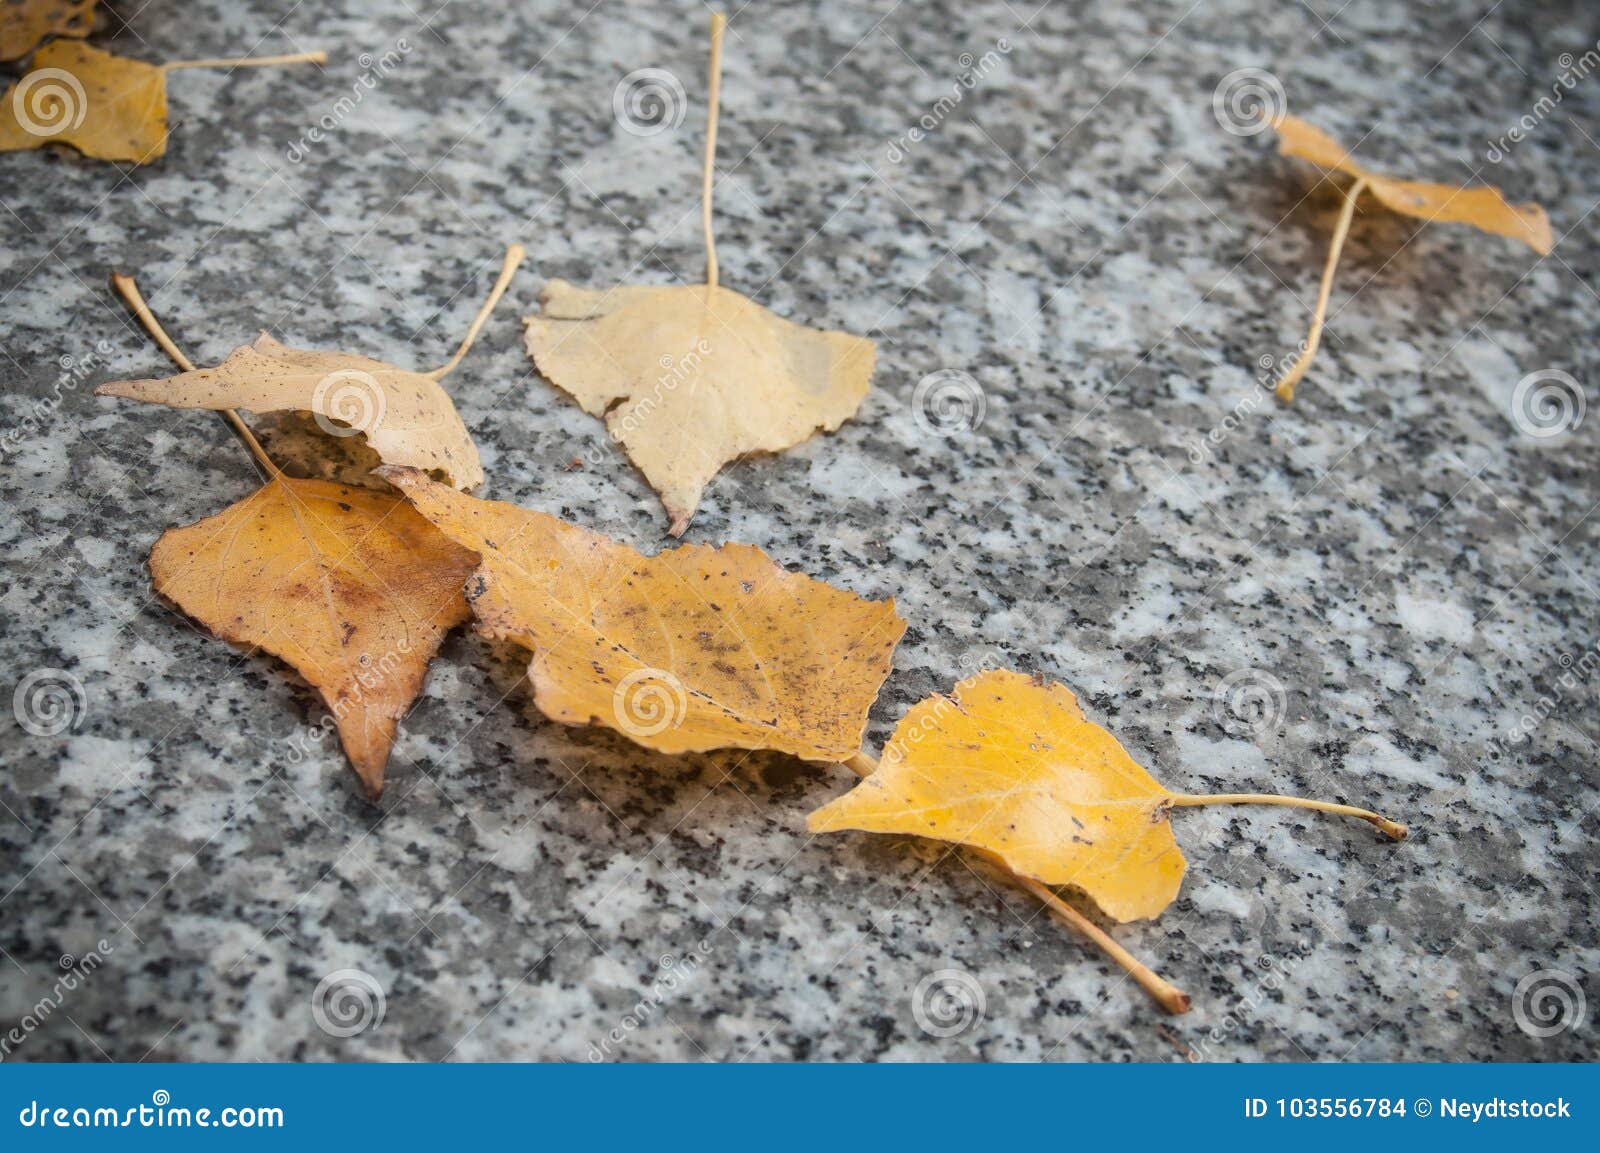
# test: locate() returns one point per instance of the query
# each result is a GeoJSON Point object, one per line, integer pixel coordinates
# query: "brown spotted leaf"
{"type": "Point", "coordinates": [694, 649]}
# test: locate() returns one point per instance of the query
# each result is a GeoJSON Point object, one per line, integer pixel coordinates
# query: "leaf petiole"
{"type": "Point", "coordinates": [249, 61]}
{"type": "Point", "coordinates": [514, 257]}
{"type": "Point", "coordinates": [129, 291]}
{"type": "Point", "coordinates": [713, 99]}
{"type": "Point", "coordinates": [1392, 829]}
{"type": "Point", "coordinates": [1285, 389]}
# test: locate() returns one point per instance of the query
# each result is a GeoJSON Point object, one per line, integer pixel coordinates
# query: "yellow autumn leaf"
{"type": "Point", "coordinates": [24, 24]}
{"type": "Point", "coordinates": [690, 377]}
{"type": "Point", "coordinates": [405, 417]}
{"type": "Point", "coordinates": [350, 587]}
{"type": "Point", "coordinates": [107, 107]}
{"type": "Point", "coordinates": [1011, 765]}
{"type": "Point", "coordinates": [695, 649]}
{"type": "Point", "coordinates": [1481, 206]}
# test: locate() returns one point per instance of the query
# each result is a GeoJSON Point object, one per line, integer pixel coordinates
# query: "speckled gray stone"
{"type": "Point", "coordinates": [1080, 237]}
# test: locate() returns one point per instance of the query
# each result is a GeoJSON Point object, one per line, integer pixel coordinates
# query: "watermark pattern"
{"type": "Point", "coordinates": [74, 371]}
{"type": "Point", "coordinates": [948, 1003]}
{"type": "Point", "coordinates": [374, 71]}
{"type": "Point", "coordinates": [1573, 69]}
{"type": "Point", "coordinates": [1249, 702]}
{"type": "Point", "coordinates": [49, 702]}
{"type": "Point", "coordinates": [48, 102]}
{"type": "Point", "coordinates": [1248, 101]}
{"type": "Point", "coordinates": [1271, 974]}
{"type": "Point", "coordinates": [648, 102]}
{"type": "Point", "coordinates": [1547, 1002]}
{"type": "Point", "coordinates": [948, 402]}
{"type": "Point", "coordinates": [348, 1002]}
{"type": "Point", "coordinates": [348, 402]}
{"type": "Point", "coordinates": [1547, 403]}
{"type": "Point", "coordinates": [974, 71]}
{"type": "Point", "coordinates": [371, 675]}
{"type": "Point", "coordinates": [1576, 671]}
{"type": "Point", "coordinates": [626, 419]}
{"type": "Point", "coordinates": [75, 970]}
{"type": "Point", "coordinates": [649, 701]}
{"type": "Point", "coordinates": [1272, 372]}
{"type": "Point", "coordinates": [672, 973]}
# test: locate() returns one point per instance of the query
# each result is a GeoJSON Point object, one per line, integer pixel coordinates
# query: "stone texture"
{"type": "Point", "coordinates": [1131, 516]}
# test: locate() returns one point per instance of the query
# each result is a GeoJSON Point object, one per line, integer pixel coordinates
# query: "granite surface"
{"type": "Point", "coordinates": [1385, 593]}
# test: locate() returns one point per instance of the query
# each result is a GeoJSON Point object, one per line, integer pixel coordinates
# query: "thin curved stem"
{"type": "Point", "coordinates": [1393, 829]}
{"type": "Point", "coordinates": [514, 257]}
{"type": "Point", "coordinates": [1170, 998]}
{"type": "Point", "coordinates": [249, 61]}
{"type": "Point", "coordinates": [714, 98]}
{"type": "Point", "coordinates": [1285, 387]}
{"type": "Point", "coordinates": [129, 291]}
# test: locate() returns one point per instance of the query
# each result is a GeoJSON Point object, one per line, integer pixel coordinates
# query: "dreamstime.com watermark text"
{"type": "Point", "coordinates": [75, 972]}
{"type": "Point", "coordinates": [160, 1113]}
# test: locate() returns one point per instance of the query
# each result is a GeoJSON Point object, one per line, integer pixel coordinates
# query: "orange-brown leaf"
{"type": "Point", "coordinates": [695, 649]}
{"type": "Point", "coordinates": [1011, 765]}
{"type": "Point", "coordinates": [1481, 206]}
{"type": "Point", "coordinates": [349, 586]}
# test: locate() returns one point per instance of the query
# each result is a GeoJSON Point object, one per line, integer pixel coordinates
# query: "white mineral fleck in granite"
{"type": "Point", "coordinates": [1134, 515]}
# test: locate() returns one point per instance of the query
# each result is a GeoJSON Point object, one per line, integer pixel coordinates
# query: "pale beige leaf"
{"type": "Point", "coordinates": [406, 417]}
{"type": "Point", "coordinates": [690, 377]}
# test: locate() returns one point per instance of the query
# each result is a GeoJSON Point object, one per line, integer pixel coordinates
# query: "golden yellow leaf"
{"type": "Point", "coordinates": [107, 107]}
{"type": "Point", "coordinates": [350, 587]}
{"type": "Point", "coordinates": [695, 649]}
{"type": "Point", "coordinates": [1011, 766]}
{"type": "Point", "coordinates": [24, 24]}
{"type": "Point", "coordinates": [688, 378]}
{"type": "Point", "coordinates": [1481, 206]}
{"type": "Point", "coordinates": [405, 417]}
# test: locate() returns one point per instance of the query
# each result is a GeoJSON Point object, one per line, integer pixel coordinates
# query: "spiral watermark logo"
{"type": "Point", "coordinates": [347, 402]}
{"type": "Point", "coordinates": [648, 102]}
{"type": "Point", "coordinates": [1547, 1002]}
{"type": "Point", "coordinates": [649, 701]}
{"type": "Point", "coordinates": [1547, 403]}
{"type": "Point", "coordinates": [348, 1002]}
{"type": "Point", "coordinates": [1248, 101]}
{"type": "Point", "coordinates": [49, 702]}
{"type": "Point", "coordinates": [49, 102]}
{"type": "Point", "coordinates": [948, 1002]}
{"type": "Point", "coordinates": [1249, 702]}
{"type": "Point", "coordinates": [948, 402]}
